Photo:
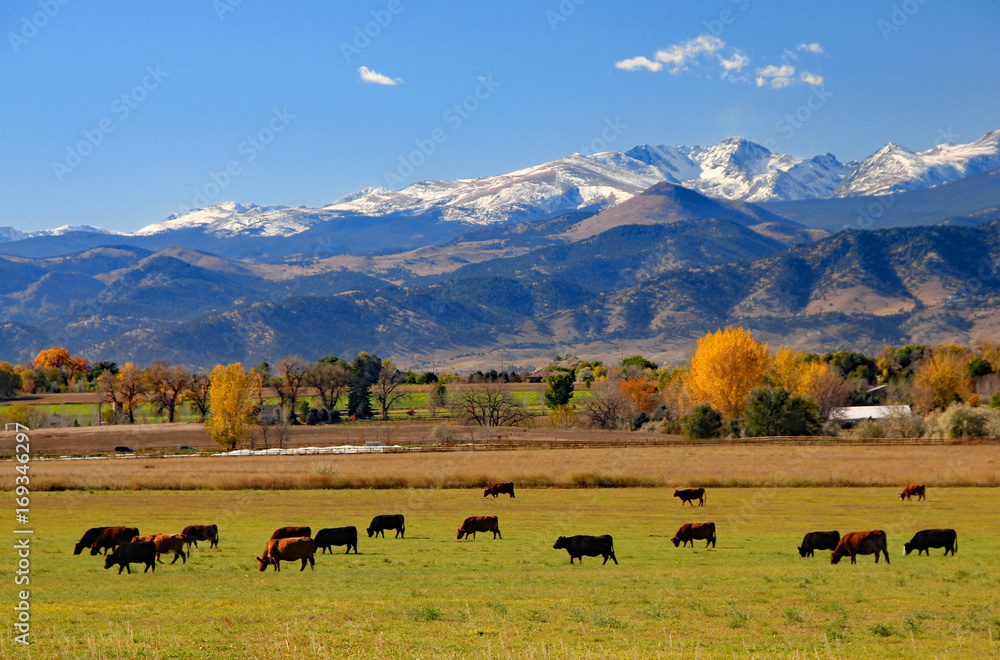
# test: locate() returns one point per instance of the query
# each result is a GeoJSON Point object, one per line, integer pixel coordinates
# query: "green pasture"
{"type": "Point", "coordinates": [429, 595]}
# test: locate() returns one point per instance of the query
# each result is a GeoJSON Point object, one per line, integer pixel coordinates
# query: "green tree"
{"type": "Point", "coordinates": [638, 361]}
{"type": "Point", "coordinates": [776, 411]}
{"type": "Point", "coordinates": [558, 390]}
{"type": "Point", "coordinates": [702, 422]}
{"type": "Point", "coordinates": [10, 380]}
{"type": "Point", "coordinates": [364, 372]}
{"type": "Point", "coordinates": [979, 367]}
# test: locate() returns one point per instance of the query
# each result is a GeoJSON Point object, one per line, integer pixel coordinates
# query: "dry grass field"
{"type": "Point", "coordinates": [671, 466]}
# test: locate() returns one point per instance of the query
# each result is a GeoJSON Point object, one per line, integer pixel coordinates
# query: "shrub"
{"type": "Point", "coordinates": [961, 420]}
{"type": "Point", "coordinates": [703, 422]}
{"type": "Point", "coordinates": [444, 434]}
{"type": "Point", "coordinates": [776, 411]}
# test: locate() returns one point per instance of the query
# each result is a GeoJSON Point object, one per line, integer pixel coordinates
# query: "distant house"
{"type": "Point", "coordinates": [269, 414]}
{"type": "Point", "coordinates": [540, 376]}
{"type": "Point", "coordinates": [851, 415]}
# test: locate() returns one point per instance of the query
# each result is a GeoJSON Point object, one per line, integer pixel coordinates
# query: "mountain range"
{"type": "Point", "coordinates": [643, 250]}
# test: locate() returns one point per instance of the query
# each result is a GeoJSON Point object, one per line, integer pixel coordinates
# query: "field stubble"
{"type": "Point", "coordinates": [715, 465]}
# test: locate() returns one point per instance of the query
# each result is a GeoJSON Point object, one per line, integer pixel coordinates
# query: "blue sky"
{"type": "Point", "coordinates": [118, 114]}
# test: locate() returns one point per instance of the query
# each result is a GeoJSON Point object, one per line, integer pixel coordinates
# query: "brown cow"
{"type": "Point", "coordinates": [279, 550]}
{"type": "Point", "coordinates": [692, 531]}
{"type": "Point", "coordinates": [291, 532]}
{"type": "Point", "coordinates": [195, 533]}
{"type": "Point", "coordinates": [165, 543]}
{"type": "Point", "coordinates": [911, 490]}
{"type": "Point", "coordinates": [88, 539]}
{"type": "Point", "coordinates": [475, 524]}
{"type": "Point", "coordinates": [500, 488]}
{"type": "Point", "coordinates": [112, 537]}
{"type": "Point", "coordinates": [691, 494]}
{"type": "Point", "coordinates": [853, 544]}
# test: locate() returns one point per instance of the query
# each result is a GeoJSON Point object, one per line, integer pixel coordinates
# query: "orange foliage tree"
{"type": "Point", "coordinates": [642, 392]}
{"type": "Point", "coordinates": [57, 357]}
{"type": "Point", "coordinates": [727, 366]}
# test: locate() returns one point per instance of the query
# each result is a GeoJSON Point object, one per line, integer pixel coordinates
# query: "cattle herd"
{"type": "Point", "coordinates": [124, 546]}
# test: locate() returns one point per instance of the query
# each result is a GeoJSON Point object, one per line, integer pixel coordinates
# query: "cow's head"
{"type": "Point", "coordinates": [907, 548]}
{"type": "Point", "coordinates": [486, 492]}
{"type": "Point", "coordinates": [835, 557]}
{"type": "Point", "coordinates": [902, 496]}
{"type": "Point", "coordinates": [677, 493]}
{"type": "Point", "coordinates": [461, 530]}
{"type": "Point", "coordinates": [78, 548]}
{"type": "Point", "coordinates": [676, 541]}
{"type": "Point", "coordinates": [93, 549]}
{"type": "Point", "coordinates": [370, 531]}
{"type": "Point", "coordinates": [109, 561]}
{"type": "Point", "coordinates": [263, 563]}
{"type": "Point", "coordinates": [560, 543]}
{"type": "Point", "coordinates": [802, 551]}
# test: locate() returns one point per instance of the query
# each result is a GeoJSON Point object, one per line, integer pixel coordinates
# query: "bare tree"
{"type": "Point", "coordinates": [124, 390]}
{"type": "Point", "coordinates": [608, 406]}
{"type": "Point", "coordinates": [197, 393]}
{"type": "Point", "coordinates": [289, 381]}
{"type": "Point", "coordinates": [490, 405]}
{"type": "Point", "coordinates": [384, 388]}
{"type": "Point", "coordinates": [330, 380]}
{"type": "Point", "coordinates": [168, 386]}
{"type": "Point", "coordinates": [437, 397]}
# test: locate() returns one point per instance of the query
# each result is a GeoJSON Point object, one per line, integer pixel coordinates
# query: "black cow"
{"type": "Point", "coordinates": [325, 538]}
{"type": "Point", "coordinates": [88, 539]}
{"type": "Point", "coordinates": [381, 523]}
{"type": "Point", "coordinates": [933, 538]}
{"type": "Point", "coordinates": [136, 552]}
{"type": "Point", "coordinates": [590, 546]}
{"type": "Point", "coordinates": [818, 541]}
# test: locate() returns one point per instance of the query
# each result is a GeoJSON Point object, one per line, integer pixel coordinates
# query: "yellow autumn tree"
{"type": "Point", "coordinates": [231, 402]}
{"type": "Point", "coordinates": [941, 379]}
{"type": "Point", "coordinates": [727, 366]}
{"type": "Point", "coordinates": [795, 372]}
{"type": "Point", "coordinates": [57, 356]}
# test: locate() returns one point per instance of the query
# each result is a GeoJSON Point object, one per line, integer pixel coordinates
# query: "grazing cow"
{"type": "Point", "coordinates": [933, 538]}
{"type": "Point", "coordinates": [911, 490]}
{"type": "Point", "coordinates": [291, 532]}
{"type": "Point", "coordinates": [691, 494]}
{"type": "Point", "coordinates": [590, 546]}
{"type": "Point", "coordinates": [381, 523]}
{"type": "Point", "coordinates": [195, 533]}
{"type": "Point", "coordinates": [165, 543]}
{"type": "Point", "coordinates": [475, 524]}
{"type": "Point", "coordinates": [500, 488]}
{"type": "Point", "coordinates": [853, 544]}
{"type": "Point", "coordinates": [88, 538]}
{"type": "Point", "coordinates": [132, 552]}
{"type": "Point", "coordinates": [818, 541]}
{"type": "Point", "coordinates": [325, 538]}
{"type": "Point", "coordinates": [112, 537]}
{"type": "Point", "coordinates": [689, 532]}
{"type": "Point", "coordinates": [279, 550]}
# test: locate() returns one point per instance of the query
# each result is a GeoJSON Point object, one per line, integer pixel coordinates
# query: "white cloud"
{"type": "Point", "coordinates": [734, 63]}
{"type": "Point", "coordinates": [640, 62]}
{"type": "Point", "coordinates": [811, 78]}
{"type": "Point", "coordinates": [369, 76]}
{"type": "Point", "coordinates": [775, 77]}
{"type": "Point", "coordinates": [811, 48]}
{"type": "Point", "coordinates": [679, 58]}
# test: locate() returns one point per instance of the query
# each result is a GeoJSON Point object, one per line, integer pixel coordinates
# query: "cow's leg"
{"type": "Point", "coordinates": [305, 560]}
{"type": "Point", "coordinates": [886, 553]}
{"type": "Point", "coordinates": [160, 560]}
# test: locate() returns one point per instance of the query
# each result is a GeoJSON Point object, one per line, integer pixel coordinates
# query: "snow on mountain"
{"type": "Point", "coordinates": [738, 169]}
{"type": "Point", "coordinates": [894, 168]}
{"type": "Point", "coordinates": [8, 234]}
{"type": "Point", "coordinates": [559, 186]}
{"type": "Point", "coordinates": [733, 169]}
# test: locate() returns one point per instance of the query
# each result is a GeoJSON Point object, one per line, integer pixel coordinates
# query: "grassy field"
{"type": "Point", "coordinates": [432, 596]}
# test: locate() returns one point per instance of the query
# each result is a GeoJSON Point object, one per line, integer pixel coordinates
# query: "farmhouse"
{"type": "Point", "coordinates": [851, 415]}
